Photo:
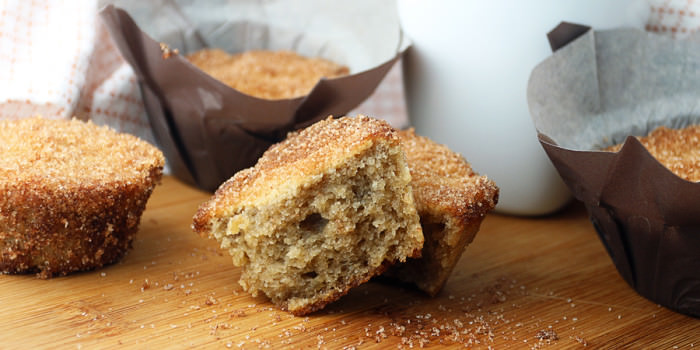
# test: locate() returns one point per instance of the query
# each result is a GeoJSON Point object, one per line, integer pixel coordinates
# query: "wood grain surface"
{"type": "Point", "coordinates": [523, 283]}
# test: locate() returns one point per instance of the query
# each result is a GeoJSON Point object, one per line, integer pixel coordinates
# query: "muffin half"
{"type": "Point", "coordinates": [452, 201]}
{"type": "Point", "coordinates": [321, 212]}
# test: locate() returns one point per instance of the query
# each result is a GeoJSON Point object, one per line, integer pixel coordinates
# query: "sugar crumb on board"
{"type": "Point", "coordinates": [484, 316]}
{"type": "Point", "coordinates": [475, 320]}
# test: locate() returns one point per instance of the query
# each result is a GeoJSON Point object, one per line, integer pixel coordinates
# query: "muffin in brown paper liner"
{"type": "Point", "coordinates": [601, 89]}
{"type": "Point", "coordinates": [207, 130]}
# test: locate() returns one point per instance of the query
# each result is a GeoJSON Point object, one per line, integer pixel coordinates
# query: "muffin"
{"type": "Point", "coordinates": [677, 149]}
{"type": "Point", "coordinates": [452, 201]}
{"type": "Point", "coordinates": [321, 212]}
{"type": "Point", "coordinates": [71, 194]}
{"type": "Point", "coordinates": [198, 120]}
{"type": "Point", "coordinates": [614, 86]}
{"type": "Point", "coordinates": [266, 74]}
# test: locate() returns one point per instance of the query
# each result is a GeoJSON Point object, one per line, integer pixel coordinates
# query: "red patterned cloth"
{"type": "Point", "coordinates": [677, 18]}
{"type": "Point", "coordinates": [57, 60]}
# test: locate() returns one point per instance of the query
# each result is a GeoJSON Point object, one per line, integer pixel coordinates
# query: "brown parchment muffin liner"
{"type": "Point", "coordinates": [207, 130]}
{"type": "Point", "coordinates": [595, 92]}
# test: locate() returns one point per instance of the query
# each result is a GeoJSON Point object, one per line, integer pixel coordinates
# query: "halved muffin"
{"type": "Point", "coordinates": [452, 201]}
{"type": "Point", "coordinates": [71, 194]}
{"type": "Point", "coordinates": [321, 212]}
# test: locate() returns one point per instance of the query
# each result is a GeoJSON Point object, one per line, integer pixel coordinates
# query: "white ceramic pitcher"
{"type": "Point", "coordinates": [466, 78]}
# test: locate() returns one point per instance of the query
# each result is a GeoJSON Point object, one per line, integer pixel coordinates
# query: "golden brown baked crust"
{"type": "Point", "coordinates": [266, 74]}
{"type": "Point", "coordinates": [301, 155]}
{"type": "Point", "coordinates": [677, 149]}
{"type": "Point", "coordinates": [321, 212]}
{"type": "Point", "coordinates": [444, 182]}
{"type": "Point", "coordinates": [71, 194]}
{"type": "Point", "coordinates": [452, 201]}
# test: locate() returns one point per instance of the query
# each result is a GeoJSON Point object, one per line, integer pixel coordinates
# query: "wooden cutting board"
{"type": "Point", "coordinates": [523, 283]}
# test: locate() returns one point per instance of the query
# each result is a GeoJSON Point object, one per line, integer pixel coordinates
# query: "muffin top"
{"type": "Point", "coordinates": [266, 74]}
{"type": "Point", "coordinates": [677, 149]}
{"type": "Point", "coordinates": [308, 152]}
{"type": "Point", "coordinates": [443, 180]}
{"type": "Point", "coordinates": [301, 156]}
{"type": "Point", "coordinates": [72, 153]}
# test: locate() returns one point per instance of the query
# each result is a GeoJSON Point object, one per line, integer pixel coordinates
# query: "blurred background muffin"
{"type": "Point", "coordinates": [208, 130]}
{"type": "Point", "coordinates": [266, 74]}
{"type": "Point", "coordinates": [602, 89]}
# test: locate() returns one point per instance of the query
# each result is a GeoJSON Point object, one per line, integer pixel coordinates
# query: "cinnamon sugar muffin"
{"type": "Point", "coordinates": [321, 212]}
{"type": "Point", "coordinates": [266, 74]}
{"type": "Point", "coordinates": [452, 201]}
{"type": "Point", "coordinates": [71, 194]}
{"type": "Point", "coordinates": [677, 149]}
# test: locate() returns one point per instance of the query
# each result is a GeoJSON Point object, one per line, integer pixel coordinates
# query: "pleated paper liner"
{"type": "Point", "coordinates": [596, 91]}
{"type": "Point", "coordinates": [207, 130]}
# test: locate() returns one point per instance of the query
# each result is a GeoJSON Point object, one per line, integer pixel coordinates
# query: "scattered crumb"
{"type": "Point", "coordinates": [145, 285]}
{"type": "Point", "coordinates": [547, 334]}
{"type": "Point", "coordinates": [581, 341]}
{"type": "Point", "coordinates": [210, 301]}
{"type": "Point", "coordinates": [167, 52]}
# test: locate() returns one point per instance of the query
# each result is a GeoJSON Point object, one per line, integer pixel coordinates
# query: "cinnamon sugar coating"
{"type": "Point", "coordinates": [677, 149]}
{"type": "Point", "coordinates": [266, 74]}
{"type": "Point", "coordinates": [452, 201]}
{"type": "Point", "coordinates": [321, 212]}
{"type": "Point", "coordinates": [443, 181]}
{"type": "Point", "coordinates": [71, 194]}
